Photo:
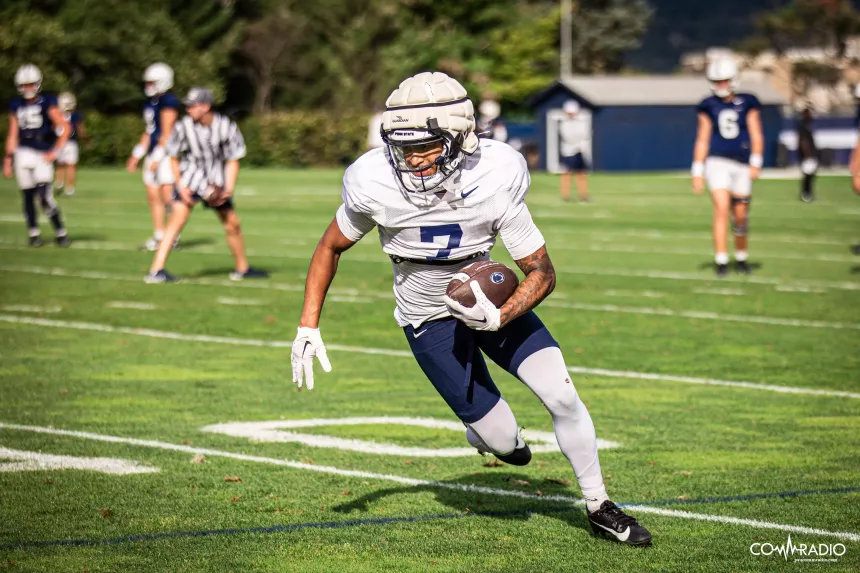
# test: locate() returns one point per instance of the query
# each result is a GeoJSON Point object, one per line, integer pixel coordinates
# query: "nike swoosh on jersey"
{"type": "Point", "coordinates": [620, 536]}
{"type": "Point", "coordinates": [469, 192]}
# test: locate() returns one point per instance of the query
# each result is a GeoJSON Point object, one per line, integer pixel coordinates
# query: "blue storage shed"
{"type": "Point", "coordinates": [641, 123]}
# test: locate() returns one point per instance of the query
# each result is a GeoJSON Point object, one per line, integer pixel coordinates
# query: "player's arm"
{"type": "Point", "coordinates": [536, 286]}
{"type": "Point", "coordinates": [137, 153]}
{"type": "Point", "coordinates": [321, 272]}
{"type": "Point", "coordinates": [756, 142]}
{"type": "Point", "coordinates": [308, 342]}
{"type": "Point", "coordinates": [854, 167]}
{"type": "Point", "coordinates": [11, 145]}
{"type": "Point", "coordinates": [64, 129]}
{"type": "Point", "coordinates": [167, 118]}
{"type": "Point", "coordinates": [700, 152]}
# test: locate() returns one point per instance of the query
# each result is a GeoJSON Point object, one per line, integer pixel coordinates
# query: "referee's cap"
{"type": "Point", "coordinates": [199, 95]}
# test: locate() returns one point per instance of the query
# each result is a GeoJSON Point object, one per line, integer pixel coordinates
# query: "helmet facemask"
{"type": "Point", "coordinates": [407, 143]}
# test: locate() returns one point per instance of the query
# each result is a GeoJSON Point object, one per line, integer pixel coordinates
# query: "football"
{"type": "Point", "coordinates": [496, 280]}
{"type": "Point", "coordinates": [211, 194]}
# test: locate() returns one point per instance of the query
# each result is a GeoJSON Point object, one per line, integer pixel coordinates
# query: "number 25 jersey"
{"type": "Point", "coordinates": [730, 135]}
{"type": "Point", "coordinates": [483, 200]}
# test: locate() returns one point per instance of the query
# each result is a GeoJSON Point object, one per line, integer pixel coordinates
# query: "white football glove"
{"type": "Point", "coordinates": [308, 343]}
{"type": "Point", "coordinates": [483, 316]}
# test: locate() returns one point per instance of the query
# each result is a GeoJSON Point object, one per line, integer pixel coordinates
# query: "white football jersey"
{"type": "Point", "coordinates": [485, 198]}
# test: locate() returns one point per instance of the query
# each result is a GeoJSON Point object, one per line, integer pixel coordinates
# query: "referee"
{"type": "Point", "coordinates": [204, 149]}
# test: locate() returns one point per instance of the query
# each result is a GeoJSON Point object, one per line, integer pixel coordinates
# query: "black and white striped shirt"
{"type": "Point", "coordinates": [203, 149]}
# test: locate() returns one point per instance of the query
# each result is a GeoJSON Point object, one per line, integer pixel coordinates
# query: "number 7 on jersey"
{"type": "Point", "coordinates": [454, 233]}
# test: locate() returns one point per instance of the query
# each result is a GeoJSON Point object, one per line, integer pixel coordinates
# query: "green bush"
{"type": "Point", "coordinates": [288, 139]}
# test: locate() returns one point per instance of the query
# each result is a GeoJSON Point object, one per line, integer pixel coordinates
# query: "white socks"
{"type": "Point", "coordinates": [495, 433]}
{"type": "Point", "coordinates": [158, 235]}
{"type": "Point", "coordinates": [741, 256]}
{"type": "Point", "coordinates": [721, 258]}
{"type": "Point", "coordinates": [545, 373]}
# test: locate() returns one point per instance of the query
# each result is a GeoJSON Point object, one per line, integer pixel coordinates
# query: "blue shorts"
{"type": "Point", "coordinates": [575, 163]}
{"type": "Point", "coordinates": [452, 356]}
{"type": "Point", "coordinates": [198, 199]}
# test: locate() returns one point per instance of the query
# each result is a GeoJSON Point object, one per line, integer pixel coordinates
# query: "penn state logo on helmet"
{"type": "Point", "coordinates": [28, 80]}
{"type": "Point", "coordinates": [427, 114]}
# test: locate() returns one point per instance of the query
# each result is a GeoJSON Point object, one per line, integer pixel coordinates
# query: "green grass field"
{"type": "Point", "coordinates": [712, 467]}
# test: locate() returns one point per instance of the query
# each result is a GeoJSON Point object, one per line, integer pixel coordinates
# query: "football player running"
{"type": "Point", "coordinates": [439, 197]}
{"type": "Point", "coordinates": [728, 153]}
{"type": "Point", "coordinates": [159, 114]}
{"type": "Point", "coordinates": [67, 160]}
{"type": "Point", "coordinates": [37, 133]}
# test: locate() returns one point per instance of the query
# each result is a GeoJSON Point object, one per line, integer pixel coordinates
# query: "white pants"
{"type": "Point", "coordinates": [68, 154]}
{"type": "Point", "coordinates": [31, 169]}
{"type": "Point", "coordinates": [161, 176]}
{"type": "Point", "coordinates": [728, 174]}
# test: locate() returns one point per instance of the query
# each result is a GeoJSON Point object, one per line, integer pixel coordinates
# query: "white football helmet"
{"type": "Point", "coordinates": [722, 69]}
{"type": "Point", "coordinates": [490, 109]}
{"type": "Point", "coordinates": [26, 75]}
{"type": "Point", "coordinates": [67, 102]}
{"type": "Point", "coordinates": [160, 75]}
{"type": "Point", "coordinates": [427, 109]}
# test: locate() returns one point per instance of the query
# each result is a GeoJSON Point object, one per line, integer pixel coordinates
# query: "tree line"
{"type": "Point", "coordinates": [343, 56]}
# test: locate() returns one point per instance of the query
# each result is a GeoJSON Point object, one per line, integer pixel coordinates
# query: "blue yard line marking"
{"type": "Point", "coordinates": [402, 519]}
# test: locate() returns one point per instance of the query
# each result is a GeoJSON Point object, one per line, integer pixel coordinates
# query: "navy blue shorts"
{"type": "Point", "coordinates": [452, 356]}
{"type": "Point", "coordinates": [575, 163]}
{"type": "Point", "coordinates": [198, 199]}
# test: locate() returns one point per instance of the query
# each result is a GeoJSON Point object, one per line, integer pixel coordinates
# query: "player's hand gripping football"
{"type": "Point", "coordinates": [308, 343]}
{"type": "Point", "coordinates": [483, 316]}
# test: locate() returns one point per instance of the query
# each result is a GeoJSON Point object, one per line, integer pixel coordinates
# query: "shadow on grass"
{"type": "Point", "coordinates": [486, 504]}
{"type": "Point", "coordinates": [196, 242]}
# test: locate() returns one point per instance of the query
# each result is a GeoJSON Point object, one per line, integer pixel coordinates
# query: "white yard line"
{"type": "Point", "coordinates": [131, 305]}
{"type": "Point", "coordinates": [30, 308]}
{"type": "Point", "coordinates": [364, 296]}
{"type": "Point", "coordinates": [719, 291]}
{"type": "Point", "coordinates": [238, 301]}
{"type": "Point", "coordinates": [643, 509]}
{"type": "Point", "coordinates": [400, 353]}
{"type": "Point", "coordinates": [700, 315]}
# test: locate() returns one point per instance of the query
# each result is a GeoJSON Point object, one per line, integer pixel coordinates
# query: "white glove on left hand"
{"type": "Point", "coordinates": [308, 343]}
{"type": "Point", "coordinates": [483, 316]}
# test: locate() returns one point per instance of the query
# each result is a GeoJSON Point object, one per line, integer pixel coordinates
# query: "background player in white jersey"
{"type": "Point", "coordinates": [728, 151]}
{"type": "Point", "coordinates": [67, 160]}
{"type": "Point", "coordinates": [159, 114]}
{"type": "Point", "coordinates": [204, 152]}
{"type": "Point", "coordinates": [439, 197]}
{"type": "Point", "coordinates": [37, 133]}
{"type": "Point", "coordinates": [575, 142]}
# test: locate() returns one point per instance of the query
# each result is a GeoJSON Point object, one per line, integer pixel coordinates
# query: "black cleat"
{"type": "Point", "coordinates": [855, 249]}
{"type": "Point", "coordinates": [722, 270]}
{"type": "Point", "coordinates": [610, 521]}
{"type": "Point", "coordinates": [743, 268]}
{"type": "Point", "coordinates": [519, 457]}
{"type": "Point", "coordinates": [806, 197]}
{"type": "Point", "coordinates": [159, 277]}
{"type": "Point", "coordinates": [36, 241]}
{"type": "Point", "coordinates": [63, 241]}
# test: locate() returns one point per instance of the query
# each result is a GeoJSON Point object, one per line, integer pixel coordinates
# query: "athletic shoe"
{"type": "Point", "coordinates": [585, 200]}
{"type": "Point", "coordinates": [610, 521]}
{"type": "Point", "coordinates": [150, 245]}
{"type": "Point", "coordinates": [806, 197]}
{"type": "Point", "coordinates": [36, 241]}
{"type": "Point", "coordinates": [161, 276]}
{"type": "Point", "coordinates": [519, 457]}
{"type": "Point", "coordinates": [722, 270]}
{"type": "Point", "coordinates": [743, 268]}
{"type": "Point", "coordinates": [70, 192]}
{"type": "Point", "coordinates": [63, 241]}
{"type": "Point", "coordinates": [251, 273]}
{"type": "Point", "coordinates": [855, 249]}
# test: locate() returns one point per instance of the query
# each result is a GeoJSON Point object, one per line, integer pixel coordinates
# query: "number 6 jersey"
{"type": "Point", "coordinates": [730, 136]}
{"type": "Point", "coordinates": [485, 198]}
